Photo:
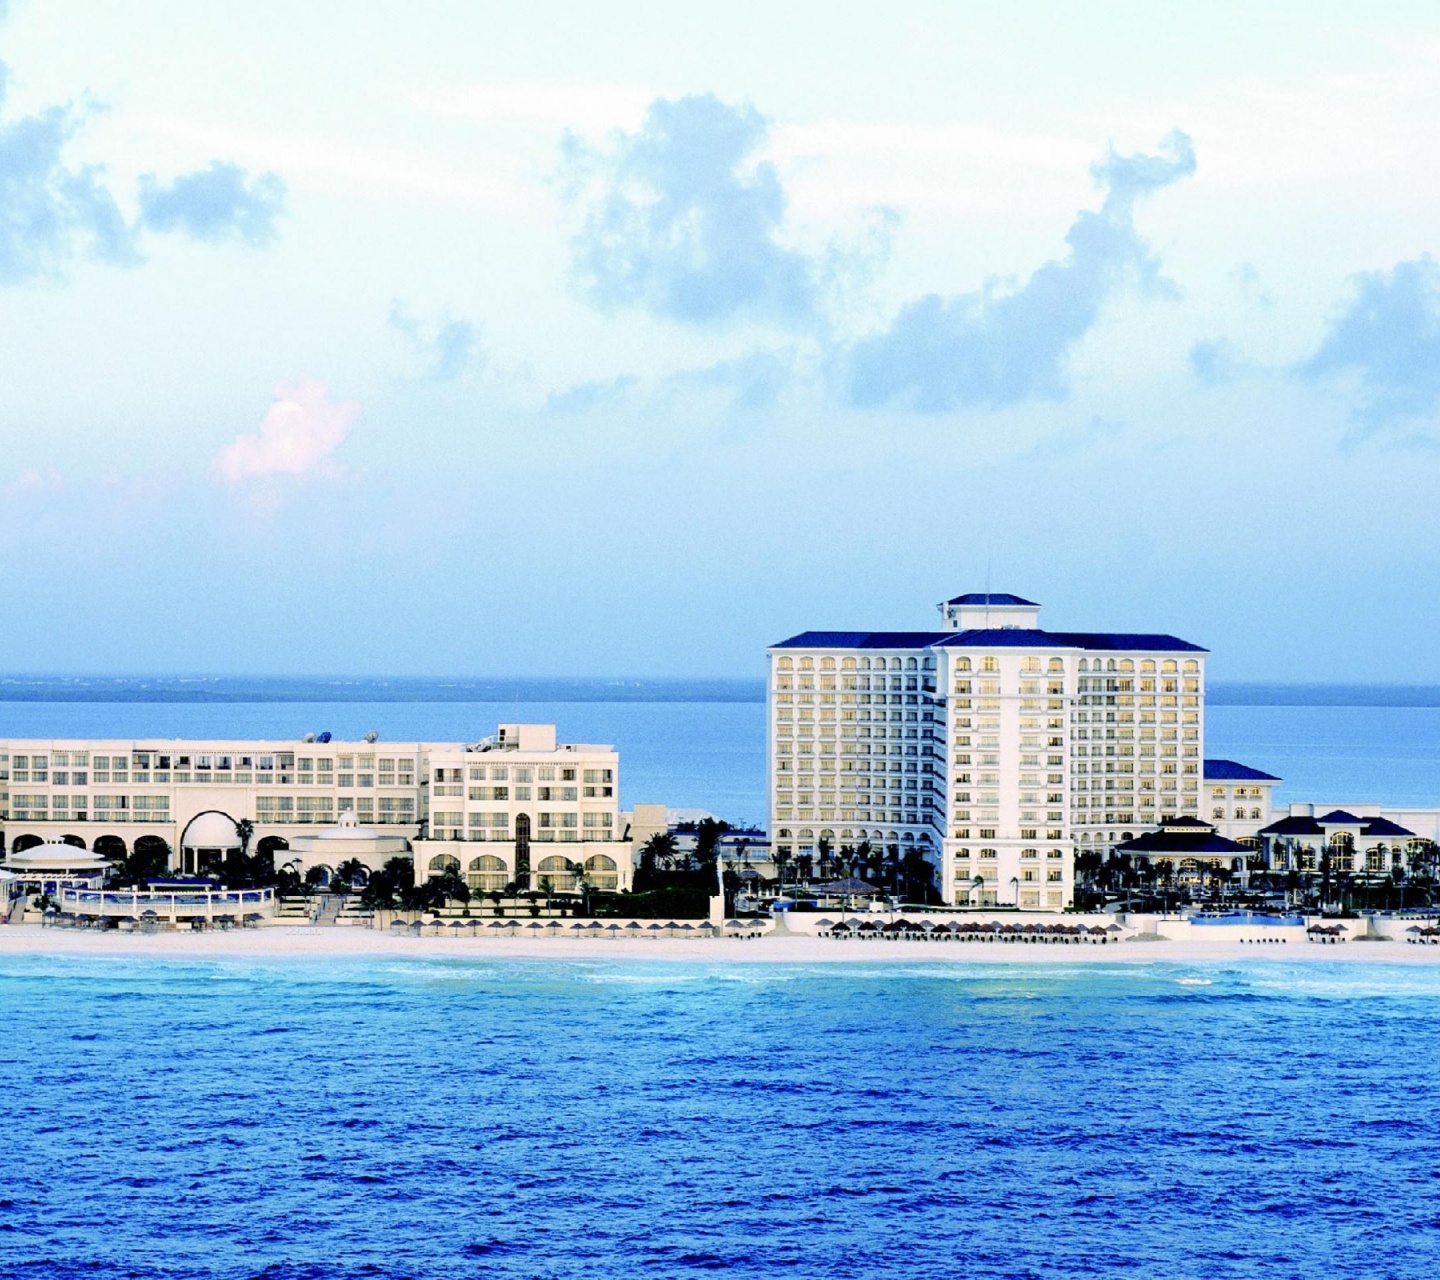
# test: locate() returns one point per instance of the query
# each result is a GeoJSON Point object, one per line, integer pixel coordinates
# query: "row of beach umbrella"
{"type": "Point", "coordinates": [555, 929]}
{"type": "Point", "coordinates": [969, 931]}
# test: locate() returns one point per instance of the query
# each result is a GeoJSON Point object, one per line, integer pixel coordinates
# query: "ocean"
{"type": "Point", "coordinates": [431, 1118]}
{"type": "Point", "coordinates": [701, 743]}
{"type": "Point", "coordinates": [434, 1118]}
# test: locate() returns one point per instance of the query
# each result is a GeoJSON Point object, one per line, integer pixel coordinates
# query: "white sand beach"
{"type": "Point", "coordinates": [790, 948]}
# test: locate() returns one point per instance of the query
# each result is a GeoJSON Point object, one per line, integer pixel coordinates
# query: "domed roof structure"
{"type": "Point", "coordinates": [55, 857]}
{"type": "Point", "coordinates": [211, 830]}
{"type": "Point", "coordinates": [348, 839]}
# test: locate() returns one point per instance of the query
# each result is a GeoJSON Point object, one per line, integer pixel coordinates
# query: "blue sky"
{"type": "Point", "coordinates": [445, 338]}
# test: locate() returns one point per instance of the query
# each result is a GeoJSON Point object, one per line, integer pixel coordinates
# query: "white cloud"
{"type": "Point", "coordinates": [34, 480]}
{"type": "Point", "coordinates": [299, 432]}
{"type": "Point", "coordinates": [587, 105]}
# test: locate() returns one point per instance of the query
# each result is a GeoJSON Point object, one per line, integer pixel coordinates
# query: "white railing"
{"type": "Point", "coordinates": [194, 902]}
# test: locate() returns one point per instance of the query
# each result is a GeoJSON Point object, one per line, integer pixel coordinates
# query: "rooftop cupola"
{"type": "Point", "coordinates": [986, 610]}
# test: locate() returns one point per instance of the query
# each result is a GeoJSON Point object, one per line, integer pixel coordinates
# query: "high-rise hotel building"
{"type": "Point", "coordinates": [994, 749]}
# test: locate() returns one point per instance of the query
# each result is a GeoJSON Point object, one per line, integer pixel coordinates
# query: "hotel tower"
{"type": "Point", "coordinates": [994, 749]}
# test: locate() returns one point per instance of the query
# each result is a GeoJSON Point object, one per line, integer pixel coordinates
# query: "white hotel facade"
{"type": "Point", "coordinates": [993, 748]}
{"type": "Point", "coordinates": [495, 811]}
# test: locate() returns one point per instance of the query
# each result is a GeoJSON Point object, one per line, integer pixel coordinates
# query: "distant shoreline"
{"type": "Point", "coordinates": [342, 943]}
{"type": "Point", "coordinates": [201, 690]}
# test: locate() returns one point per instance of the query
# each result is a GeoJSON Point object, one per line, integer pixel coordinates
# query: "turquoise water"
{"type": "Point", "coordinates": [432, 1118]}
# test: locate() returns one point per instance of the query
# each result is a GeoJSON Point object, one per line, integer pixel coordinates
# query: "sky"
{"type": "Point", "coordinates": [481, 339]}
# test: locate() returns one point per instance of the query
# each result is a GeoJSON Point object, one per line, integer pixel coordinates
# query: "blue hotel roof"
{"type": "Point", "coordinates": [995, 637]}
{"type": "Point", "coordinates": [995, 598]}
{"type": "Point", "coordinates": [1233, 771]}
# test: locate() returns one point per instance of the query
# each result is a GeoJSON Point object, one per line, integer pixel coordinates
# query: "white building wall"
{"type": "Point", "coordinates": [289, 788]}
{"type": "Point", "coordinates": [1031, 751]}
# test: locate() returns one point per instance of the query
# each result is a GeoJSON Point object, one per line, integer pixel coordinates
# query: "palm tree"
{"type": "Point", "coordinates": [782, 858]}
{"type": "Point", "coordinates": [824, 848]}
{"type": "Point", "coordinates": [577, 870]}
{"type": "Point", "coordinates": [351, 870]}
{"type": "Point", "coordinates": [661, 850]}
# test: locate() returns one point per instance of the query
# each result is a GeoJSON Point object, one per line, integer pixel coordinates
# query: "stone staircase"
{"type": "Point", "coordinates": [295, 911]}
{"type": "Point", "coordinates": [353, 913]}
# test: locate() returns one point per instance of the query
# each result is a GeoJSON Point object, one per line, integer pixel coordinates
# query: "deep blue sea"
{"type": "Point", "coordinates": [428, 1118]}
{"type": "Point", "coordinates": [701, 743]}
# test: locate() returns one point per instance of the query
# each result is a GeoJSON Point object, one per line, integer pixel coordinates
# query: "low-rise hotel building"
{"type": "Point", "coordinates": [991, 748]}
{"type": "Point", "coordinates": [518, 807]}
{"type": "Point", "coordinates": [1237, 800]}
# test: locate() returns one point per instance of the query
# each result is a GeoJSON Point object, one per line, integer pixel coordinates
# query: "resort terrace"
{"type": "Point", "coordinates": [171, 906]}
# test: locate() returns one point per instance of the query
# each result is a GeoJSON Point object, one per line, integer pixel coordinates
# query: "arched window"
{"type": "Point", "coordinates": [601, 871]}
{"type": "Point", "coordinates": [911, 664]}
{"type": "Point", "coordinates": [1255, 813]}
{"type": "Point", "coordinates": [1148, 664]}
{"type": "Point", "coordinates": [553, 873]}
{"type": "Point", "coordinates": [487, 874]}
{"type": "Point", "coordinates": [990, 664]}
{"type": "Point", "coordinates": [1191, 666]}
{"type": "Point", "coordinates": [962, 664]}
{"type": "Point", "coordinates": [847, 664]}
{"type": "Point", "coordinates": [1056, 664]}
{"type": "Point", "coordinates": [1168, 665]}
{"type": "Point", "coordinates": [807, 664]}
{"type": "Point", "coordinates": [443, 862]}
{"type": "Point", "coordinates": [785, 664]}
{"type": "Point", "coordinates": [1110, 666]}
{"type": "Point", "coordinates": [827, 664]}
{"type": "Point", "coordinates": [1084, 664]}
{"type": "Point", "coordinates": [1126, 664]}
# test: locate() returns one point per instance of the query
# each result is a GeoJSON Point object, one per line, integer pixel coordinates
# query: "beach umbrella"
{"type": "Point", "coordinates": [554, 925]}
{"type": "Point", "coordinates": [459, 924]}
{"type": "Point", "coordinates": [534, 924]}
{"type": "Point", "coordinates": [594, 924]}
{"type": "Point", "coordinates": [575, 926]}
{"type": "Point", "coordinates": [824, 924]}
{"type": "Point", "coordinates": [632, 926]}
{"type": "Point", "coordinates": [729, 924]}
{"type": "Point", "coordinates": [612, 929]}
{"type": "Point", "coordinates": [655, 928]}
{"type": "Point", "coordinates": [496, 924]}
{"type": "Point", "coordinates": [687, 927]}
{"type": "Point", "coordinates": [397, 924]}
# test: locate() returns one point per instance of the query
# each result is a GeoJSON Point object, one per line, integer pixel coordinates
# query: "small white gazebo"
{"type": "Point", "coordinates": [207, 838]}
{"type": "Point", "coordinates": [46, 868]}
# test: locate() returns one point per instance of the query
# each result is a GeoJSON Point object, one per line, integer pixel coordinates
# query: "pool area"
{"type": "Point", "coordinates": [1247, 918]}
